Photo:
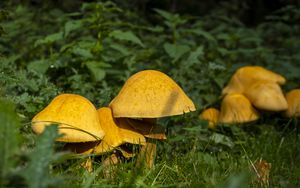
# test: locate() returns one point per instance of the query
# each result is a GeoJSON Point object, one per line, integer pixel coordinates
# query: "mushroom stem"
{"type": "Point", "coordinates": [108, 166]}
{"type": "Point", "coordinates": [88, 164]}
{"type": "Point", "coordinates": [147, 155]}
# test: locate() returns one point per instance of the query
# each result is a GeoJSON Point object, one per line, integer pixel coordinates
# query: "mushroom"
{"type": "Point", "coordinates": [76, 117]}
{"type": "Point", "coordinates": [150, 130]}
{"type": "Point", "coordinates": [293, 100]}
{"type": "Point", "coordinates": [146, 127]}
{"type": "Point", "coordinates": [266, 95]}
{"type": "Point", "coordinates": [116, 134]}
{"type": "Point", "coordinates": [211, 115]}
{"type": "Point", "coordinates": [236, 108]}
{"type": "Point", "coordinates": [150, 94]}
{"type": "Point", "coordinates": [247, 75]}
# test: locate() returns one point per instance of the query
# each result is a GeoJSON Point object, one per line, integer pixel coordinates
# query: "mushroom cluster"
{"type": "Point", "coordinates": [252, 89]}
{"type": "Point", "coordinates": [130, 117]}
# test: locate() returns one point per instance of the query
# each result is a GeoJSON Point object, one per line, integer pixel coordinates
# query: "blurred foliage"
{"type": "Point", "coordinates": [93, 47]}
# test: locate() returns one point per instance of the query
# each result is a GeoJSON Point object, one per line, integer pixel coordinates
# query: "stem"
{"type": "Point", "coordinates": [146, 157]}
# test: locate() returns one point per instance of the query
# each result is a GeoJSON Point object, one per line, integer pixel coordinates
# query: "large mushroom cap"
{"type": "Point", "coordinates": [150, 94]}
{"type": "Point", "coordinates": [293, 100]}
{"type": "Point", "coordinates": [236, 108]}
{"type": "Point", "coordinates": [247, 75]}
{"type": "Point", "coordinates": [211, 115]}
{"type": "Point", "coordinates": [76, 116]}
{"type": "Point", "coordinates": [115, 135]}
{"type": "Point", "coordinates": [266, 95]}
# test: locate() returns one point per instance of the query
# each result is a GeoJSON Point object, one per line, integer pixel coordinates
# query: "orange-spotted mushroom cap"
{"type": "Point", "coordinates": [151, 94]}
{"type": "Point", "coordinates": [115, 135]}
{"type": "Point", "coordinates": [266, 95]}
{"type": "Point", "coordinates": [236, 108]}
{"type": "Point", "coordinates": [293, 100]}
{"type": "Point", "coordinates": [76, 116]}
{"type": "Point", "coordinates": [247, 75]}
{"type": "Point", "coordinates": [211, 115]}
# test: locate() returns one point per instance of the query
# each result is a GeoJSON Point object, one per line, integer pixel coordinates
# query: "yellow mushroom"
{"type": "Point", "coordinates": [150, 94]}
{"type": "Point", "coordinates": [266, 95]}
{"type": "Point", "coordinates": [148, 127]}
{"type": "Point", "coordinates": [115, 134]}
{"type": "Point", "coordinates": [293, 100]}
{"type": "Point", "coordinates": [76, 116]}
{"type": "Point", "coordinates": [211, 115]}
{"type": "Point", "coordinates": [236, 108]}
{"type": "Point", "coordinates": [248, 75]}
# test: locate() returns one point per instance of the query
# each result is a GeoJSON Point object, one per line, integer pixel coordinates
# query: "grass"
{"type": "Point", "coordinates": [198, 163]}
{"type": "Point", "coordinates": [48, 51]}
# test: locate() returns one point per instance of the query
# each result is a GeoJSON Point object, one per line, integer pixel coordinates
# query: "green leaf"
{"type": "Point", "coordinates": [85, 53]}
{"type": "Point", "coordinates": [194, 55]}
{"type": "Point", "coordinates": [37, 171]}
{"type": "Point", "coordinates": [9, 138]}
{"type": "Point", "coordinates": [49, 39]}
{"type": "Point", "coordinates": [215, 66]}
{"type": "Point", "coordinates": [126, 36]}
{"type": "Point", "coordinates": [171, 20]}
{"type": "Point", "coordinates": [165, 14]}
{"type": "Point", "coordinates": [222, 139]}
{"type": "Point", "coordinates": [71, 26]}
{"type": "Point", "coordinates": [97, 69]}
{"type": "Point", "coordinates": [204, 34]}
{"type": "Point", "coordinates": [39, 66]}
{"type": "Point", "coordinates": [176, 51]}
{"type": "Point", "coordinates": [120, 48]}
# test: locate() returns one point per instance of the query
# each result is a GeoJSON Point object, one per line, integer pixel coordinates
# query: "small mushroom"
{"type": "Point", "coordinates": [150, 130]}
{"type": "Point", "coordinates": [266, 95]}
{"type": "Point", "coordinates": [293, 100]}
{"type": "Point", "coordinates": [248, 75]}
{"type": "Point", "coordinates": [115, 134]}
{"type": "Point", "coordinates": [150, 94]}
{"type": "Point", "coordinates": [236, 108]}
{"type": "Point", "coordinates": [76, 116]}
{"type": "Point", "coordinates": [211, 115]}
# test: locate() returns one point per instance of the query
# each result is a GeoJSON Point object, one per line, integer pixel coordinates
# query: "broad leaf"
{"type": "Point", "coordinates": [71, 26]}
{"type": "Point", "coordinates": [126, 36]}
{"type": "Point", "coordinates": [49, 39]}
{"type": "Point", "coordinates": [39, 66]}
{"type": "Point", "coordinates": [176, 51]}
{"type": "Point", "coordinates": [97, 69]}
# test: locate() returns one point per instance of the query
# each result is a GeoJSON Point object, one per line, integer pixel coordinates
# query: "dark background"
{"type": "Point", "coordinates": [251, 12]}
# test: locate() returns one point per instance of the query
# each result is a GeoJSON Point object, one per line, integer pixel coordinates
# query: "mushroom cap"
{"type": "Point", "coordinates": [266, 95]}
{"type": "Point", "coordinates": [211, 115]}
{"type": "Point", "coordinates": [151, 94]}
{"type": "Point", "coordinates": [147, 127]}
{"type": "Point", "coordinates": [236, 108]}
{"type": "Point", "coordinates": [293, 100]}
{"type": "Point", "coordinates": [76, 116]}
{"type": "Point", "coordinates": [115, 135]}
{"type": "Point", "coordinates": [247, 75]}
